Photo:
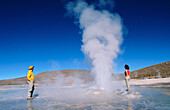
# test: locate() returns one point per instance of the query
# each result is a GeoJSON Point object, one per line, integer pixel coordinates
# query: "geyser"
{"type": "Point", "coordinates": [101, 36]}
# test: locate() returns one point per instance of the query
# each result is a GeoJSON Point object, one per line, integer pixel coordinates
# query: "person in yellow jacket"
{"type": "Point", "coordinates": [30, 78]}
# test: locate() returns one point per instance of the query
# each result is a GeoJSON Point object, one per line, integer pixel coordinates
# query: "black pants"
{"type": "Point", "coordinates": [32, 91]}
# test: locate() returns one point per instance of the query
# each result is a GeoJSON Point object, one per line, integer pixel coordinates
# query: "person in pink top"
{"type": "Point", "coordinates": [127, 77]}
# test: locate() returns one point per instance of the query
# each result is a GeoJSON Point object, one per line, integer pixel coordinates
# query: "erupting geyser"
{"type": "Point", "coordinates": [102, 36]}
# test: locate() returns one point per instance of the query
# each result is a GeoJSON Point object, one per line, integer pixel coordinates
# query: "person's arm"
{"type": "Point", "coordinates": [125, 72]}
{"type": "Point", "coordinates": [28, 76]}
{"type": "Point", "coordinates": [32, 77]}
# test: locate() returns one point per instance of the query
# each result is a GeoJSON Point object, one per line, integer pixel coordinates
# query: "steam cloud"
{"type": "Point", "coordinates": [102, 37]}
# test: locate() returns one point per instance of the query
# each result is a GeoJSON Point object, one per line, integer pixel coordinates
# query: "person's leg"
{"type": "Point", "coordinates": [32, 90]}
{"type": "Point", "coordinates": [29, 94]}
{"type": "Point", "coordinates": [127, 83]}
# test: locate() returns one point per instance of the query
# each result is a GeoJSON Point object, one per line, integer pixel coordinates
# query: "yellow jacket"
{"type": "Point", "coordinates": [30, 75]}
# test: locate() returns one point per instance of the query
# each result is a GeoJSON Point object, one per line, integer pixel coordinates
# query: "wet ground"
{"type": "Point", "coordinates": [140, 97]}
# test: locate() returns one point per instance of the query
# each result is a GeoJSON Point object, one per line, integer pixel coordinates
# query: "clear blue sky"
{"type": "Point", "coordinates": [37, 32]}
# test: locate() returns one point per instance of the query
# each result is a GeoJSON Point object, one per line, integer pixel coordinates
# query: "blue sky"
{"type": "Point", "coordinates": [37, 32]}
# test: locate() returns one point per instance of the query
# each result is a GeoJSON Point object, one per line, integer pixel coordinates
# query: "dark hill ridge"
{"type": "Point", "coordinates": [155, 71]}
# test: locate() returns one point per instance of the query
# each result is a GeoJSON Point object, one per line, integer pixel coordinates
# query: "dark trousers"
{"type": "Point", "coordinates": [32, 91]}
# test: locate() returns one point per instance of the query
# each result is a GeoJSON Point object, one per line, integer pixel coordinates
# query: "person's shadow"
{"type": "Point", "coordinates": [29, 103]}
{"type": "Point", "coordinates": [36, 95]}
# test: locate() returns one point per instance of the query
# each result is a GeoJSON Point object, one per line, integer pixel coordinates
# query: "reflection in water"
{"type": "Point", "coordinates": [129, 105]}
{"type": "Point", "coordinates": [29, 105]}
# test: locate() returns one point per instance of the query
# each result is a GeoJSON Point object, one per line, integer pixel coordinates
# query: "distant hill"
{"type": "Point", "coordinates": [161, 70]}
{"type": "Point", "coordinates": [51, 76]}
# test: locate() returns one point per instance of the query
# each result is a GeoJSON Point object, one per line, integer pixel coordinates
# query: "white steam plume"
{"type": "Point", "coordinates": [102, 37]}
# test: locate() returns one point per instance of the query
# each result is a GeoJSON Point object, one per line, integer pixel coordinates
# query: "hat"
{"type": "Point", "coordinates": [31, 67]}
